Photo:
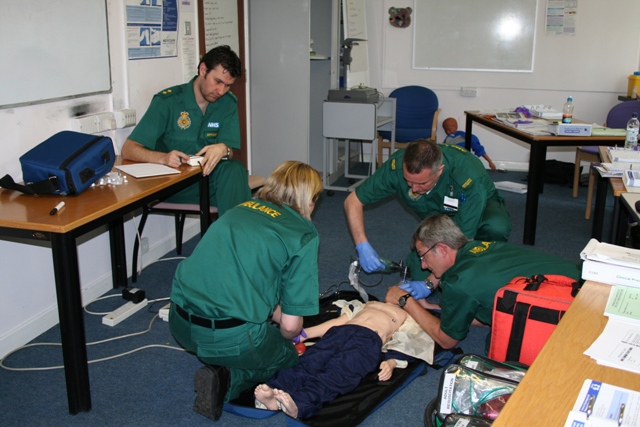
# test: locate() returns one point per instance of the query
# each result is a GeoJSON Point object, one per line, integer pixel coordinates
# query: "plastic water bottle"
{"type": "Point", "coordinates": [567, 111]}
{"type": "Point", "coordinates": [631, 141]}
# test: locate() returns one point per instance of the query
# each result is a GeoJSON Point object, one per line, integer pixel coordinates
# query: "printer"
{"type": "Point", "coordinates": [360, 94]}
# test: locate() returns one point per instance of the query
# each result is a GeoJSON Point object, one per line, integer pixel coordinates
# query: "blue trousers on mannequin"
{"type": "Point", "coordinates": [333, 366]}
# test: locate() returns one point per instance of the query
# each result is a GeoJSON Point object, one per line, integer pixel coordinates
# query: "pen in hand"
{"type": "Point", "coordinates": [57, 208]}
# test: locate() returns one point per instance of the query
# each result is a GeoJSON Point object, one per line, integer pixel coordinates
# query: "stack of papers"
{"type": "Point", "coordinates": [144, 170]}
{"type": "Point", "coordinates": [611, 264]}
{"type": "Point", "coordinates": [617, 345]}
{"type": "Point", "coordinates": [527, 125]}
{"type": "Point", "coordinates": [631, 179]}
{"type": "Point", "coordinates": [611, 170]}
{"type": "Point", "coordinates": [602, 405]}
{"type": "Point", "coordinates": [621, 155]}
{"type": "Point", "coordinates": [605, 131]}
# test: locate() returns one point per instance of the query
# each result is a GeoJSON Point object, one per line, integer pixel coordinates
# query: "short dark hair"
{"type": "Point", "coordinates": [223, 55]}
{"type": "Point", "coordinates": [422, 154]}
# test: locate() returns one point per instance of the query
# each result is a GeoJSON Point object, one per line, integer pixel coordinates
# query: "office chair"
{"type": "Point", "coordinates": [416, 118]}
{"type": "Point", "coordinates": [617, 118]}
{"type": "Point", "coordinates": [180, 211]}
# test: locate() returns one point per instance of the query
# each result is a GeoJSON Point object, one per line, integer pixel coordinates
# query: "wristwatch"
{"type": "Point", "coordinates": [429, 284]}
{"type": "Point", "coordinates": [402, 301]}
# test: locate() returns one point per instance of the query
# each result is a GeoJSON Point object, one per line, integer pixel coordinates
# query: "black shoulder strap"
{"type": "Point", "coordinates": [48, 186]}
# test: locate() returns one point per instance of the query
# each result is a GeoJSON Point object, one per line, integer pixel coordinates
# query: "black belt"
{"type": "Point", "coordinates": [206, 323]}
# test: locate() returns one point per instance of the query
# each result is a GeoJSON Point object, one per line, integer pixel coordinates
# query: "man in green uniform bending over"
{"type": "Point", "coordinates": [471, 272]}
{"type": "Point", "coordinates": [197, 118]}
{"type": "Point", "coordinates": [431, 179]}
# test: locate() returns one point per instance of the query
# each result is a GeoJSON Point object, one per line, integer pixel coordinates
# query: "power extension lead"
{"type": "Point", "coordinates": [164, 312]}
{"type": "Point", "coordinates": [118, 315]}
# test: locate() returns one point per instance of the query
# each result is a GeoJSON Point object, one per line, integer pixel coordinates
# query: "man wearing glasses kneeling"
{"type": "Point", "coordinates": [469, 274]}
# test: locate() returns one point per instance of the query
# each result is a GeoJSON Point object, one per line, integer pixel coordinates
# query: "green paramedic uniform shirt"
{"type": "Point", "coordinates": [258, 256]}
{"type": "Point", "coordinates": [461, 192]}
{"type": "Point", "coordinates": [174, 121]}
{"type": "Point", "coordinates": [481, 269]}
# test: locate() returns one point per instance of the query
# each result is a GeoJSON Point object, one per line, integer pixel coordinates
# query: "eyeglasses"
{"type": "Point", "coordinates": [421, 257]}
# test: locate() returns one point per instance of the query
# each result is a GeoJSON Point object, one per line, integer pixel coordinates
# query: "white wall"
{"type": "Point", "coordinates": [28, 301]}
{"type": "Point", "coordinates": [600, 24]}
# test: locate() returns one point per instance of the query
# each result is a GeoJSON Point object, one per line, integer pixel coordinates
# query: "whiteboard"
{"type": "Point", "coordinates": [486, 35]}
{"type": "Point", "coordinates": [52, 50]}
{"type": "Point", "coordinates": [220, 19]}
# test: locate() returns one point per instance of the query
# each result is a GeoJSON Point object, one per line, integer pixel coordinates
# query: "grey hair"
{"type": "Point", "coordinates": [439, 229]}
{"type": "Point", "coordinates": [422, 154]}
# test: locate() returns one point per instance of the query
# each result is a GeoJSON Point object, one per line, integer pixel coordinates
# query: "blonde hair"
{"type": "Point", "coordinates": [295, 184]}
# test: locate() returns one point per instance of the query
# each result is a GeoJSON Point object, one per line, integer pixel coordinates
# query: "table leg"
{"type": "Point", "coordinates": [598, 212]}
{"type": "Point", "coordinates": [537, 156]}
{"type": "Point", "coordinates": [205, 205]}
{"type": "Point", "coordinates": [118, 253]}
{"type": "Point", "coordinates": [467, 137]}
{"type": "Point", "coordinates": [620, 224]}
{"type": "Point", "coordinates": [74, 351]}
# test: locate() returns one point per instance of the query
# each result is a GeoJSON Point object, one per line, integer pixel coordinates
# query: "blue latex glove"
{"type": "Point", "coordinates": [297, 338]}
{"type": "Point", "coordinates": [369, 259]}
{"type": "Point", "coordinates": [417, 289]}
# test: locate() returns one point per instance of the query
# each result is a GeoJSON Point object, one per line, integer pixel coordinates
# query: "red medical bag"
{"type": "Point", "coordinates": [525, 313]}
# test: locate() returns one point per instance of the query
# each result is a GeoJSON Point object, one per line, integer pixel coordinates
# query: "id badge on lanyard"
{"type": "Point", "coordinates": [450, 204]}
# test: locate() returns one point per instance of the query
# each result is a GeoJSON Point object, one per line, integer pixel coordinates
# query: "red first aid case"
{"type": "Point", "coordinates": [526, 312]}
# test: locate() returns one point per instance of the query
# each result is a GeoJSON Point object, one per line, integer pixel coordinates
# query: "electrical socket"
{"type": "Point", "coordinates": [144, 245]}
{"type": "Point", "coordinates": [125, 118]}
{"type": "Point", "coordinates": [85, 124]}
{"type": "Point", "coordinates": [93, 123]}
{"type": "Point", "coordinates": [105, 122]}
{"type": "Point", "coordinates": [469, 91]}
{"type": "Point", "coordinates": [119, 314]}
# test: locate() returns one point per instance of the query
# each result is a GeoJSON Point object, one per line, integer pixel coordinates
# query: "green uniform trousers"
{"type": "Point", "coordinates": [228, 187]}
{"type": "Point", "coordinates": [253, 352]}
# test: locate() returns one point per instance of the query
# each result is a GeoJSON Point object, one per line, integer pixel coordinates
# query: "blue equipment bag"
{"type": "Point", "coordinates": [65, 164]}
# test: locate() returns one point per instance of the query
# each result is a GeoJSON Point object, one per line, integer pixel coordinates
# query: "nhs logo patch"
{"type": "Point", "coordinates": [215, 125]}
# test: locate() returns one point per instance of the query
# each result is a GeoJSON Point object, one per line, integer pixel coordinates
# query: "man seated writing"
{"type": "Point", "coordinates": [374, 335]}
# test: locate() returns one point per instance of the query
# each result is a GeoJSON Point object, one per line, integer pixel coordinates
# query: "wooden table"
{"type": "Point", "coordinates": [537, 156]}
{"type": "Point", "coordinates": [27, 217]}
{"type": "Point", "coordinates": [551, 386]}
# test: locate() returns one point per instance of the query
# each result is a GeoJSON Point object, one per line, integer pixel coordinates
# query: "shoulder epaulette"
{"type": "Point", "coordinates": [454, 147]}
{"type": "Point", "coordinates": [170, 91]}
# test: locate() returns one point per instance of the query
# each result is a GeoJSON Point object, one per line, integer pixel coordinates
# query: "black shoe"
{"type": "Point", "coordinates": [211, 384]}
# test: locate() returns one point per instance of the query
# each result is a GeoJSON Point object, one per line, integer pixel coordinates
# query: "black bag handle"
{"type": "Point", "coordinates": [533, 284]}
{"type": "Point", "coordinates": [47, 186]}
